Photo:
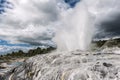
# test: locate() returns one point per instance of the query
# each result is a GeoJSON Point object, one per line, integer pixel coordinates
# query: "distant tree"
{"type": "Point", "coordinates": [1, 55]}
{"type": "Point", "coordinates": [20, 53]}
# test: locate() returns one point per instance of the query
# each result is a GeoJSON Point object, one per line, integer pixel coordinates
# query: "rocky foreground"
{"type": "Point", "coordinates": [76, 65]}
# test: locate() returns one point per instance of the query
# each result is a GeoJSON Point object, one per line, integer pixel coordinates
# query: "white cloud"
{"type": "Point", "coordinates": [29, 19]}
{"type": "Point", "coordinates": [103, 10]}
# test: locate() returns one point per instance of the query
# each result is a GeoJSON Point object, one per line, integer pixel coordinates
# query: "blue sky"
{"type": "Point", "coordinates": [1, 6]}
{"type": "Point", "coordinates": [72, 3]}
{"type": "Point", "coordinates": [4, 42]}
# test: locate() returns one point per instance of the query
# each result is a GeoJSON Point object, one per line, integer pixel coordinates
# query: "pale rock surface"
{"type": "Point", "coordinates": [77, 65]}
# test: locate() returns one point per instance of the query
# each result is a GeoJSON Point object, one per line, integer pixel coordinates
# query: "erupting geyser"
{"type": "Point", "coordinates": [78, 30]}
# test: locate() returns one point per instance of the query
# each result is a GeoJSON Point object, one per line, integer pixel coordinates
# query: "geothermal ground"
{"type": "Point", "coordinates": [76, 65]}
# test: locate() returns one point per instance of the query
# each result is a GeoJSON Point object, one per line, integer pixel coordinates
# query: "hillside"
{"type": "Point", "coordinates": [107, 43]}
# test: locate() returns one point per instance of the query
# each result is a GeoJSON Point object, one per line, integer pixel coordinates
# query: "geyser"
{"type": "Point", "coordinates": [76, 29]}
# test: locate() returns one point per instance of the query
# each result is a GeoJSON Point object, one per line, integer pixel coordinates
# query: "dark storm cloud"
{"type": "Point", "coordinates": [111, 28]}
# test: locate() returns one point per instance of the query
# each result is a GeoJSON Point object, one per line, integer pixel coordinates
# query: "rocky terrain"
{"type": "Point", "coordinates": [100, 64]}
{"type": "Point", "coordinates": [10, 61]}
{"type": "Point", "coordinates": [106, 43]}
{"type": "Point", "coordinates": [77, 65]}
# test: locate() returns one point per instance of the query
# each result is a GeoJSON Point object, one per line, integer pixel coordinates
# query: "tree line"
{"type": "Point", "coordinates": [31, 52]}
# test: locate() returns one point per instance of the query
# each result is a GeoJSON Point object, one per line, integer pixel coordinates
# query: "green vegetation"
{"type": "Point", "coordinates": [99, 43]}
{"type": "Point", "coordinates": [21, 54]}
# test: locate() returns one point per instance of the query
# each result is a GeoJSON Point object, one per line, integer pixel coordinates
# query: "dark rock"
{"type": "Point", "coordinates": [2, 67]}
{"type": "Point", "coordinates": [107, 64]}
{"type": "Point", "coordinates": [103, 73]}
{"type": "Point", "coordinates": [97, 54]}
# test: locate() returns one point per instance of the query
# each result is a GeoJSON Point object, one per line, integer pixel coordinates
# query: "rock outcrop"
{"type": "Point", "coordinates": [76, 65]}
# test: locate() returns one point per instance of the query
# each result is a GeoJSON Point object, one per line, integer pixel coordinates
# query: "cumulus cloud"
{"type": "Point", "coordinates": [29, 20]}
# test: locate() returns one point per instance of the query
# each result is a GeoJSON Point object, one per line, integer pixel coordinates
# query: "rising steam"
{"type": "Point", "coordinates": [76, 30]}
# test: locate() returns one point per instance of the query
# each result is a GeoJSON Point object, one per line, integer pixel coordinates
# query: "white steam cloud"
{"type": "Point", "coordinates": [77, 30]}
